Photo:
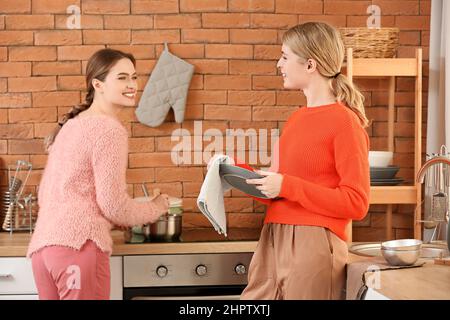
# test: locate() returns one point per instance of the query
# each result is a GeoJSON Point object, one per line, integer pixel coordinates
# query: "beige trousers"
{"type": "Point", "coordinates": [297, 262]}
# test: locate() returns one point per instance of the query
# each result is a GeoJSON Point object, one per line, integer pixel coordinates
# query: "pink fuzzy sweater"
{"type": "Point", "coordinates": [83, 190]}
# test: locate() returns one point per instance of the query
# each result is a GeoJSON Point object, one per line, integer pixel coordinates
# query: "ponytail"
{"type": "Point", "coordinates": [71, 114]}
{"type": "Point", "coordinates": [347, 93]}
{"type": "Point", "coordinates": [323, 43]}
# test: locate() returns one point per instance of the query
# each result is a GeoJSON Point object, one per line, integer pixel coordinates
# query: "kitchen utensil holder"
{"type": "Point", "coordinates": [13, 205]}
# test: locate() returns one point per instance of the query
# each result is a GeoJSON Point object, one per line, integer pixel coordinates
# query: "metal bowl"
{"type": "Point", "coordinates": [166, 229]}
{"type": "Point", "coordinates": [168, 226]}
{"type": "Point", "coordinates": [402, 244]}
{"type": "Point", "coordinates": [400, 257]}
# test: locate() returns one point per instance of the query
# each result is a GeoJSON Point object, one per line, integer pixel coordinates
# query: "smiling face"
{"type": "Point", "coordinates": [294, 69]}
{"type": "Point", "coordinates": [120, 85]}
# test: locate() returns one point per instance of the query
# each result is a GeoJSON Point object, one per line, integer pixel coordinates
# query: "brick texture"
{"type": "Point", "coordinates": [234, 46]}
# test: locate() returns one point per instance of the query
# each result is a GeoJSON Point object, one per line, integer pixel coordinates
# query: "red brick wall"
{"type": "Point", "coordinates": [234, 45]}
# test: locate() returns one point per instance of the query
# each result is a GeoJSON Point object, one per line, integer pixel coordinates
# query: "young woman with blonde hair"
{"type": "Point", "coordinates": [83, 191]}
{"type": "Point", "coordinates": [322, 179]}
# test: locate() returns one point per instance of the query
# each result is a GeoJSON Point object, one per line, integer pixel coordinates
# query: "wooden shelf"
{"type": "Point", "coordinates": [393, 194]}
{"type": "Point", "coordinates": [392, 68]}
{"type": "Point", "coordinates": [398, 67]}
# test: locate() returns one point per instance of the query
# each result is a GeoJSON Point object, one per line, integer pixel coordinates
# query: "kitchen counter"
{"type": "Point", "coordinates": [428, 282]}
{"type": "Point", "coordinates": [194, 241]}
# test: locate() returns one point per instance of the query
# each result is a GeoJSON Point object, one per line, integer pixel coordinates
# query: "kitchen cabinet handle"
{"type": "Point", "coordinates": [5, 275]}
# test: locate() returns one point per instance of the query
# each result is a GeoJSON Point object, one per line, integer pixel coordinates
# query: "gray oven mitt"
{"type": "Point", "coordinates": [167, 88]}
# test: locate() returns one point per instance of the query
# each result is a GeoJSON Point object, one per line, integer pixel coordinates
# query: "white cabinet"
{"type": "Point", "coordinates": [17, 282]}
{"type": "Point", "coordinates": [116, 278]}
{"type": "Point", "coordinates": [16, 277]}
{"type": "Point", "coordinates": [19, 297]}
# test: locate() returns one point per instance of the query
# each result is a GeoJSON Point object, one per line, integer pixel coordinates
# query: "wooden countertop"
{"type": "Point", "coordinates": [16, 244]}
{"type": "Point", "coordinates": [428, 282]}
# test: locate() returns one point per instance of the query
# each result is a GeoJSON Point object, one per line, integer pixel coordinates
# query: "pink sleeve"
{"type": "Point", "coordinates": [109, 163]}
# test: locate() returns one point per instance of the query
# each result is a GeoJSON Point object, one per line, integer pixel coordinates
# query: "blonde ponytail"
{"type": "Point", "coordinates": [323, 43]}
{"type": "Point", "coordinates": [349, 95]}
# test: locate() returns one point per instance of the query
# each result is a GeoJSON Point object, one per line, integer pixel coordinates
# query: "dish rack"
{"type": "Point", "coordinates": [18, 210]}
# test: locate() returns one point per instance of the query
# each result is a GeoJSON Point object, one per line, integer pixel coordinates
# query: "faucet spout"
{"type": "Point", "coordinates": [429, 163]}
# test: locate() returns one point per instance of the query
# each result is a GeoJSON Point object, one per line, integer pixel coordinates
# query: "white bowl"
{"type": "Point", "coordinates": [173, 201]}
{"type": "Point", "coordinates": [380, 158]}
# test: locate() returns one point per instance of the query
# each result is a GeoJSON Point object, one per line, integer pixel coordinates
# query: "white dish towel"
{"type": "Point", "coordinates": [210, 200]}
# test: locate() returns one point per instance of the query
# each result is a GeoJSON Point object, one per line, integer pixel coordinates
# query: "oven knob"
{"type": "Point", "coordinates": [201, 270]}
{"type": "Point", "coordinates": [240, 269]}
{"type": "Point", "coordinates": [162, 271]}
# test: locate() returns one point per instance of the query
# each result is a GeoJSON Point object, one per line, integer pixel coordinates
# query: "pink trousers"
{"type": "Point", "coordinates": [63, 273]}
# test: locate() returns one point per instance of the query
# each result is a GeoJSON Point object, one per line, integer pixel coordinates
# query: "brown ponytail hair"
{"type": "Point", "coordinates": [323, 43]}
{"type": "Point", "coordinates": [98, 67]}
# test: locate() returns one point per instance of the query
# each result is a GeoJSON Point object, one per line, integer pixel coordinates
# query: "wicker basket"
{"type": "Point", "coordinates": [371, 43]}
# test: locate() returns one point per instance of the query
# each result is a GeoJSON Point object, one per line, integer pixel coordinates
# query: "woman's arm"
{"type": "Point", "coordinates": [109, 163]}
{"type": "Point", "coordinates": [350, 199]}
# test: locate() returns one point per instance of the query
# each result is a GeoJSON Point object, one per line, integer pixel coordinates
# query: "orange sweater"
{"type": "Point", "coordinates": [323, 157]}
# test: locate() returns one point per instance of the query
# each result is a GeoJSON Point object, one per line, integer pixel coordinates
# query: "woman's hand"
{"type": "Point", "coordinates": [162, 202]}
{"type": "Point", "coordinates": [270, 185]}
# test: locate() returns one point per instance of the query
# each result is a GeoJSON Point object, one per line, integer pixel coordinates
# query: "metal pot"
{"type": "Point", "coordinates": [166, 228]}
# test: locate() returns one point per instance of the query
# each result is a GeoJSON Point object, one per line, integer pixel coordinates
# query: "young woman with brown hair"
{"type": "Point", "coordinates": [83, 191]}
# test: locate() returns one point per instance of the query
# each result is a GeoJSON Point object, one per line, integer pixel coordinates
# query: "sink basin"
{"type": "Point", "coordinates": [373, 249]}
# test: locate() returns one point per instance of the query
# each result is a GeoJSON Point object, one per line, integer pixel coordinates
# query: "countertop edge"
{"type": "Point", "coordinates": [17, 246]}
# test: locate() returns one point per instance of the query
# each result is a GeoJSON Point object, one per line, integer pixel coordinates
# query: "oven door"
{"type": "Point", "coordinates": [184, 293]}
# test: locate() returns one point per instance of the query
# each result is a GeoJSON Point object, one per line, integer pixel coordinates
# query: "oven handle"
{"type": "Point", "coordinates": [218, 297]}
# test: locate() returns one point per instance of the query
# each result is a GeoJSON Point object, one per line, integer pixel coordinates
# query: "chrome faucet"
{"type": "Point", "coordinates": [429, 163]}
{"type": "Point", "coordinates": [441, 160]}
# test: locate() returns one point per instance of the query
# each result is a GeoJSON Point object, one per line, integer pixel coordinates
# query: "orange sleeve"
{"type": "Point", "coordinates": [350, 198]}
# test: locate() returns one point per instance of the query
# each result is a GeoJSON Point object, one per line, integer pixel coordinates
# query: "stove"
{"type": "Point", "coordinates": [203, 235]}
{"type": "Point", "coordinates": [207, 276]}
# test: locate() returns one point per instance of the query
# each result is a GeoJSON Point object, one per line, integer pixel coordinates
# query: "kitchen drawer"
{"type": "Point", "coordinates": [116, 278]}
{"type": "Point", "coordinates": [16, 276]}
{"type": "Point", "coordinates": [19, 297]}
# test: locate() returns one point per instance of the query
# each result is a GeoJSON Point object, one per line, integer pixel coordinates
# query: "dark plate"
{"type": "Point", "coordinates": [236, 176]}
{"type": "Point", "coordinates": [383, 172]}
{"type": "Point", "coordinates": [385, 182]}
